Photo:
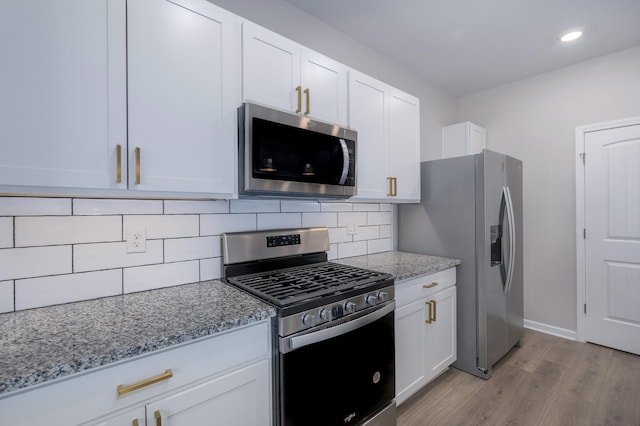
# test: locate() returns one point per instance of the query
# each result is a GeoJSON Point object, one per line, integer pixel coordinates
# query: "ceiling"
{"type": "Point", "coordinates": [464, 46]}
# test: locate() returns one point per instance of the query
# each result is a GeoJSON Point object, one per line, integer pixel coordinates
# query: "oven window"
{"type": "Point", "coordinates": [282, 152]}
{"type": "Point", "coordinates": [339, 381]}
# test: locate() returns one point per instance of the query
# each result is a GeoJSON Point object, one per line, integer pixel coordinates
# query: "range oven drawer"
{"type": "Point", "coordinates": [341, 380]}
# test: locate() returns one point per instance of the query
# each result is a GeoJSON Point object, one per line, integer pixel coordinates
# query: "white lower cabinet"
{"type": "Point", "coordinates": [425, 330]}
{"type": "Point", "coordinates": [224, 379]}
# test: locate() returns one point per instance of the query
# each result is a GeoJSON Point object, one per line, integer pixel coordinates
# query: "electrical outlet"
{"type": "Point", "coordinates": [352, 228]}
{"type": "Point", "coordinates": [136, 240]}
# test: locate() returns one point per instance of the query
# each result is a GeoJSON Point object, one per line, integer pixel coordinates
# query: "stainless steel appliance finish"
{"type": "Point", "coordinates": [471, 208]}
{"type": "Point", "coordinates": [287, 155]}
{"type": "Point", "coordinates": [333, 336]}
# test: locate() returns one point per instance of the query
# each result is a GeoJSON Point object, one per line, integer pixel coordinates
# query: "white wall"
{"type": "Point", "coordinates": [535, 120]}
{"type": "Point", "coordinates": [437, 108]}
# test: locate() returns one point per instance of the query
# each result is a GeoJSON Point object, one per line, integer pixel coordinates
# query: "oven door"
{"type": "Point", "coordinates": [340, 375]}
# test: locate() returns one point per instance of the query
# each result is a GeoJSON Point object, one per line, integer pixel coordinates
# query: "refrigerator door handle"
{"type": "Point", "coordinates": [512, 238]}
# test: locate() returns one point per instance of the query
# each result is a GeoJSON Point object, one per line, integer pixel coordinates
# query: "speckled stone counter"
{"type": "Point", "coordinates": [401, 265]}
{"type": "Point", "coordinates": [39, 345]}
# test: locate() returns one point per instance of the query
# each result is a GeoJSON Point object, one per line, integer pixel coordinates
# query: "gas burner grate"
{"type": "Point", "coordinates": [285, 287]}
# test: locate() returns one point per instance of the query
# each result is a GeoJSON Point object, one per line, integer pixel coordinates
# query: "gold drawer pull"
{"type": "Point", "coordinates": [122, 389]}
{"type": "Point", "coordinates": [158, 416]}
{"type": "Point", "coordinates": [135, 422]}
{"type": "Point", "coordinates": [432, 285]}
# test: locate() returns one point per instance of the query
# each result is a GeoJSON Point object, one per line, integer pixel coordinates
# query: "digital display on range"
{"type": "Point", "coordinates": [283, 240]}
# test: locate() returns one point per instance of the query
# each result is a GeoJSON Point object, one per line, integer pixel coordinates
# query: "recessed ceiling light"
{"type": "Point", "coordinates": [570, 36]}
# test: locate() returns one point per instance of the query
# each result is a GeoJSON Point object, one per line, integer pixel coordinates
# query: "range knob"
{"type": "Point", "coordinates": [350, 307]}
{"type": "Point", "coordinates": [371, 300]}
{"type": "Point", "coordinates": [325, 314]}
{"type": "Point", "coordinates": [383, 296]}
{"type": "Point", "coordinates": [309, 320]}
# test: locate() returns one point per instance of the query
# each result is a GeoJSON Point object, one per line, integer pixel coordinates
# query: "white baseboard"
{"type": "Point", "coordinates": [551, 329]}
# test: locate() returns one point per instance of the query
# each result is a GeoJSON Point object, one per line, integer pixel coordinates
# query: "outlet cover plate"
{"type": "Point", "coordinates": [136, 240]}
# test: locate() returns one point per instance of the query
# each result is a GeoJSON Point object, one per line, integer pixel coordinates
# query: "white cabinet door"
{"type": "Point", "coordinates": [368, 116]}
{"type": "Point", "coordinates": [240, 398]}
{"type": "Point", "coordinates": [63, 86]}
{"type": "Point", "coordinates": [441, 332]}
{"type": "Point", "coordinates": [404, 145]}
{"type": "Point", "coordinates": [411, 346]}
{"type": "Point", "coordinates": [181, 80]}
{"type": "Point", "coordinates": [270, 68]}
{"type": "Point", "coordinates": [283, 74]}
{"type": "Point", "coordinates": [324, 84]}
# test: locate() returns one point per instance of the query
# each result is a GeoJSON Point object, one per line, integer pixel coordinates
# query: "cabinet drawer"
{"type": "Point", "coordinates": [418, 288]}
{"type": "Point", "coordinates": [89, 395]}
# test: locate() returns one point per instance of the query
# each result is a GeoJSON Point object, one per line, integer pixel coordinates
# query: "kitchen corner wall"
{"type": "Point", "coordinates": [59, 250]}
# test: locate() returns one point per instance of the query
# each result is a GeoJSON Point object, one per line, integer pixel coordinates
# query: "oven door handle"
{"type": "Point", "coordinates": [297, 342]}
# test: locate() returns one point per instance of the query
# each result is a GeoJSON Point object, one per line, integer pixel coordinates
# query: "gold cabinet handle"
{"type": "Point", "coordinates": [433, 302]}
{"type": "Point", "coordinates": [122, 389]}
{"type": "Point", "coordinates": [135, 422]}
{"type": "Point", "coordinates": [118, 163]}
{"type": "Point", "coordinates": [308, 110]}
{"type": "Point", "coordinates": [428, 320]}
{"type": "Point", "coordinates": [390, 192]}
{"type": "Point", "coordinates": [299, 90]}
{"type": "Point", "coordinates": [158, 415]}
{"type": "Point", "coordinates": [395, 187]}
{"type": "Point", "coordinates": [432, 285]}
{"type": "Point", "coordinates": [137, 165]}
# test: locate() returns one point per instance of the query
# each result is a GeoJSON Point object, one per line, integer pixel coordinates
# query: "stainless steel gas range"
{"type": "Point", "coordinates": [333, 335]}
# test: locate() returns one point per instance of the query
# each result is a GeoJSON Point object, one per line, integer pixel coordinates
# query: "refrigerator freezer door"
{"type": "Point", "coordinates": [515, 294]}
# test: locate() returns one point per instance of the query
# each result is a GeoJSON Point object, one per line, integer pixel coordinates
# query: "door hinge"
{"type": "Point", "coordinates": [584, 233]}
{"type": "Point", "coordinates": [585, 308]}
{"type": "Point", "coordinates": [582, 155]}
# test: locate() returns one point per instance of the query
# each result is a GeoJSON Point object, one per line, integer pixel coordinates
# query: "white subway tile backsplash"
{"type": "Point", "coordinates": [6, 296]}
{"type": "Point", "coordinates": [345, 218]}
{"type": "Point", "coordinates": [279, 220]}
{"type": "Point", "coordinates": [164, 226]}
{"type": "Point", "coordinates": [34, 262]}
{"type": "Point", "coordinates": [379, 218]}
{"type": "Point", "coordinates": [337, 207]}
{"type": "Point", "coordinates": [87, 207]}
{"type": "Point", "coordinates": [211, 269]}
{"type": "Point", "coordinates": [36, 292]}
{"type": "Point", "coordinates": [56, 250]}
{"type": "Point", "coordinates": [179, 249]}
{"type": "Point", "coordinates": [56, 230]}
{"type": "Point", "coordinates": [20, 206]}
{"type": "Point", "coordinates": [367, 233]}
{"type": "Point", "coordinates": [255, 206]}
{"type": "Point", "coordinates": [339, 235]}
{"type": "Point", "coordinates": [197, 207]}
{"type": "Point", "coordinates": [94, 257]}
{"type": "Point", "coordinates": [366, 207]}
{"type": "Point", "coordinates": [6, 232]}
{"type": "Point", "coordinates": [157, 276]}
{"type": "Point", "coordinates": [379, 246]}
{"type": "Point", "coordinates": [291, 206]}
{"type": "Point", "coordinates": [319, 219]}
{"type": "Point", "coordinates": [216, 224]}
{"type": "Point", "coordinates": [357, 248]}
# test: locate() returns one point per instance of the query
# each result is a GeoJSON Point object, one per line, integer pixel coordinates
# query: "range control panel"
{"type": "Point", "coordinates": [283, 240]}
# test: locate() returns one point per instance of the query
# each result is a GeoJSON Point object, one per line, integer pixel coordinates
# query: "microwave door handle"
{"type": "Point", "coordinates": [345, 162]}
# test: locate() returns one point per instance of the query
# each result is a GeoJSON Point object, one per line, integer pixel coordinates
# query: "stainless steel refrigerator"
{"type": "Point", "coordinates": [471, 209]}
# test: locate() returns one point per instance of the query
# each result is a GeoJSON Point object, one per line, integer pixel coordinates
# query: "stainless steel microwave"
{"type": "Point", "coordinates": [282, 154]}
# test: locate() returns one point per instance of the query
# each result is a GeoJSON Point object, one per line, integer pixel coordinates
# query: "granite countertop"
{"type": "Point", "coordinates": [43, 344]}
{"type": "Point", "coordinates": [402, 265]}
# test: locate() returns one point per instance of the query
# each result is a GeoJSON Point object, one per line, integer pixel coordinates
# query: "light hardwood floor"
{"type": "Point", "coordinates": [548, 381]}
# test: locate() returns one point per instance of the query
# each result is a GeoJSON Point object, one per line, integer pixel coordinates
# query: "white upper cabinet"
{"type": "Point", "coordinates": [181, 70]}
{"type": "Point", "coordinates": [62, 92]}
{"type": "Point", "coordinates": [283, 74]}
{"type": "Point", "coordinates": [388, 124]}
{"type": "Point", "coordinates": [103, 96]}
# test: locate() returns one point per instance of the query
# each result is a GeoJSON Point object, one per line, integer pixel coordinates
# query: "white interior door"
{"type": "Point", "coordinates": [612, 218]}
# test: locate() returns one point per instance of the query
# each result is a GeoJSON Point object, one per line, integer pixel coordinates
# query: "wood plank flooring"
{"type": "Point", "coordinates": [548, 381]}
